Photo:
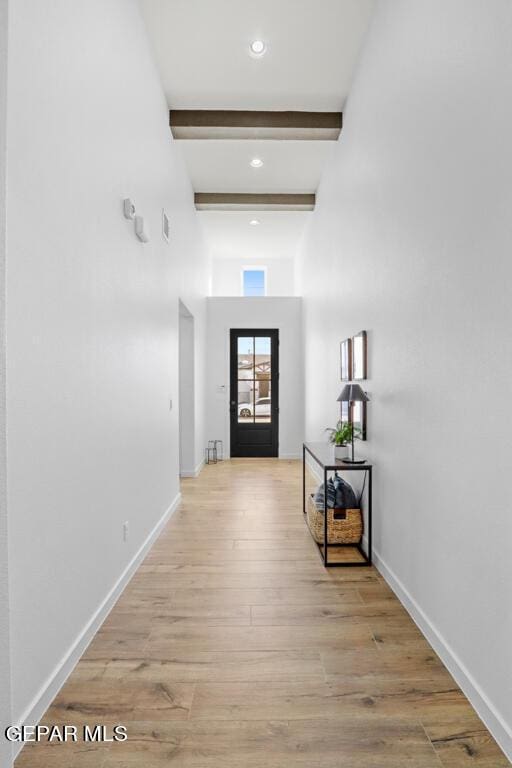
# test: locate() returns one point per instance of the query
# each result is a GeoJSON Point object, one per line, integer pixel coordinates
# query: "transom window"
{"type": "Point", "coordinates": [254, 281]}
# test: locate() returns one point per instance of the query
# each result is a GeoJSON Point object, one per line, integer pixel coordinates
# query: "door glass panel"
{"type": "Point", "coordinates": [246, 357]}
{"type": "Point", "coordinates": [245, 402]}
{"type": "Point", "coordinates": [262, 388]}
{"type": "Point", "coordinates": [262, 346]}
{"type": "Point", "coordinates": [262, 409]}
{"type": "Point", "coordinates": [246, 372]}
{"type": "Point", "coordinates": [262, 372]}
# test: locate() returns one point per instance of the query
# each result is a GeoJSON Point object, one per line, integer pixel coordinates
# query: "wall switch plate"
{"type": "Point", "coordinates": [126, 530]}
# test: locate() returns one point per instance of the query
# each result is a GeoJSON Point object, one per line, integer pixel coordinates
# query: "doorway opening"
{"type": "Point", "coordinates": [254, 392]}
{"type": "Point", "coordinates": [186, 356]}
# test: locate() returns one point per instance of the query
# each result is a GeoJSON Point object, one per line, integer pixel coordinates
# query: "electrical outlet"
{"type": "Point", "coordinates": [126, 530]}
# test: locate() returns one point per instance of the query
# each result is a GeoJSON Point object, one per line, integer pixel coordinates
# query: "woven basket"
{"type": "Point", "coordinates": [345, 526]}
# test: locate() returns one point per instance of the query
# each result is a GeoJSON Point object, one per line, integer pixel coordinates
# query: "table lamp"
{"type": "Point", "coordinates": [353, 393]}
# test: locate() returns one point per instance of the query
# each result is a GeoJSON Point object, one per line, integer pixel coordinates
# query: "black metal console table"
{"type": "Point", "coordinates": [322, 454]}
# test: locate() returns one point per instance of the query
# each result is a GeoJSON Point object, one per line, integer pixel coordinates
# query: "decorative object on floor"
{"type": "Point", "coordinates": [353, 393]}
{"type": "Point", "coordinates": [346, 359]}
{"type": "Point", "coordinates": [219, 449]}
{"type": "Point", "coordinates": [359, 357]}
{"type": "Point", "coordinates": [209, 456]}
{"type": "Point", "coordinates": [344, 526]}
{"type": "Point", "coordinates": [210, 452]}
{"type": "Point", "coordinates": [340, 436]}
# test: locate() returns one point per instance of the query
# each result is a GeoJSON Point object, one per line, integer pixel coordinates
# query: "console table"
{"type": "Point", "coordinates": [323, 455]}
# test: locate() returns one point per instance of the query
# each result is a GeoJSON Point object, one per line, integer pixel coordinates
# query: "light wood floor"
{"type": "Point", "coordinates": [232, 647]}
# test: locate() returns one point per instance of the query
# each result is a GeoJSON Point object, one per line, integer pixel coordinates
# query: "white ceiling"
{"type": "Point", "coordinates": [288, 166]}
{"type": "Point", "coordinates": [278, 235]}
{"type": "Point", "coordinates": [202, 52]}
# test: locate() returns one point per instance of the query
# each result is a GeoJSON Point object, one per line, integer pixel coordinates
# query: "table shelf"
{"type": "Point", "coordinates": [322, 455]}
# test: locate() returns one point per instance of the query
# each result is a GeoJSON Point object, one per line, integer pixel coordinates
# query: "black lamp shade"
{"type": "Point", "coordinates": [353, 393]}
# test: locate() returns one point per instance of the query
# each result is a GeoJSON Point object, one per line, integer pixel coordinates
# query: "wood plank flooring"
{"type": "Point", "coordinates": [232, 647]}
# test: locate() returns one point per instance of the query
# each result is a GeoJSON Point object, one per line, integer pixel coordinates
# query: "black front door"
{"type": "Point", "coordinates": [254, 393]}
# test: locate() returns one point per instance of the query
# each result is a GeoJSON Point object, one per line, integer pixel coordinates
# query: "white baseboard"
{"type": "Point", "coordinates": [483, 706]}
{"type": "Point", "coordinates": [192, 472]}
{"type": "Point", "coordinates": [290, 456]}
{"type": "Point", "coordinates": [60, 674]}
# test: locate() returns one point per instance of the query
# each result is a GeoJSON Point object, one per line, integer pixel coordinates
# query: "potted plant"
{"type": "Point", "coordinates": [340, 436]}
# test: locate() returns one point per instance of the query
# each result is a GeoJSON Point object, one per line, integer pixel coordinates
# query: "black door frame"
{"type": "Point", "coordinates": [273, 333]}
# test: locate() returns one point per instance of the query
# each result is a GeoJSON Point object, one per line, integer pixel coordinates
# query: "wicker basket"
{"type": "Point", "coordinates": [345, 526]}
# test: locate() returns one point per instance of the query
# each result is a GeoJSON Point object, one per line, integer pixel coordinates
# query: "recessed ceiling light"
{"type": "Point", "coordinates": [256, 162]}
{"type": "Point", "coordinates": [258, 47]}
{"type": "Point", "coordinates": [255, 222]}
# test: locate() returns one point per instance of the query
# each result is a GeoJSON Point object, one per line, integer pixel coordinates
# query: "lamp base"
{"type": "Point", "coordinates": [353, 461]}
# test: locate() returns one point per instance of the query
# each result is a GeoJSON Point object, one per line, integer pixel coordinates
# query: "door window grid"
{"type": "Point", "coordinates": [254, 374]}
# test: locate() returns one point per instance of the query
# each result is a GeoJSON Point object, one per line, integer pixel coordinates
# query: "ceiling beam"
{"type": "Point", "coordinates": [228, 201]}
{"type": "Point", "coordinates": [247, 124]}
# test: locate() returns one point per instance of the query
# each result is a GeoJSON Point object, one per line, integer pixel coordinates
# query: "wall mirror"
{"type": "Point", "coordinates": [359, 357]}
{"type": "Point", "coordinates": [346, 359]}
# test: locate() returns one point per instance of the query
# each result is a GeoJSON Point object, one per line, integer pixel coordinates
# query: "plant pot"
{"type": "Point", "coordinates": [341, 451]}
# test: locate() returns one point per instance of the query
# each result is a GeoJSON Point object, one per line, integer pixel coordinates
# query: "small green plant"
{"type": "Point", "coordinates": [341, 434]}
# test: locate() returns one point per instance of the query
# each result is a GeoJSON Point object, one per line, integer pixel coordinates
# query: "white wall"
{"type": "Point", "coordinates": [92, 320]}
{"type": "Point", "coordinates": [412, 240]}
{"type": "Point", "coordinates": [5, 676]}
{"type": "Point", "coordinates": [188, 462]}
{"type": "Point", "coordinates": [284, 314]}
{"type": "Point", "coordinates": [227, 276]}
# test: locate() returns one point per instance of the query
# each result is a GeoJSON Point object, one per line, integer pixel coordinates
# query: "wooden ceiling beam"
{"type": "Point", "coordinates": [249, 124]}
{"type": "Point", "coordinates": [224, 201]}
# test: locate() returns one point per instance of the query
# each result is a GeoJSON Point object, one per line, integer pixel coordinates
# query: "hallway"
{"type": "Point", "coordinates": [232, 647]}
